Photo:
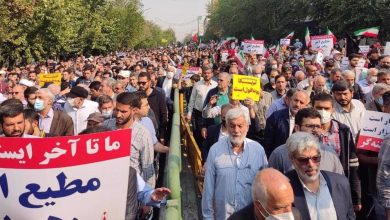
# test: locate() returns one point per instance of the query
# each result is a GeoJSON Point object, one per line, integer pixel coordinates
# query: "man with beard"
{"type": "Point", "coordinates": [142, 152]}
{"type": "Point", "coordinates": [317, 194]}
{"type": "Point", "coordinates": [384, 64]}
{"type": "Point", "coordinates": [232, 164]}
{"type": "Point", "coordinates": [12, 118]}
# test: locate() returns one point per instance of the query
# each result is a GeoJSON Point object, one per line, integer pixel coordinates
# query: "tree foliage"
{"type": "Point", "coordinates": [33, 30]}
{"type": "Point", "coordinates": [274, 19]}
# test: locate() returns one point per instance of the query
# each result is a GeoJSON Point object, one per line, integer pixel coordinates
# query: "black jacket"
{"type": "Point", "coordinates": [248, 213]}
{"type": "Point", "coordinates": [277, 130]}
{"type": "Point", "coordinates": [157, 103]}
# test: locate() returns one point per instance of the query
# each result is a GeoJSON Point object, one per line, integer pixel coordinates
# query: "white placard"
{"type": "Point", "coordinates": [387, 49]}
{"type": "Point", "coordinates": [364, 49]}
{"type": "Point", "coordinates": [323, 43]}
{"type": "Point", "coordinates": [224, 55]}
{"type": "Point", "coordinates": [285, 42]}
{"type": "Point", "coordinates": [253, 46]}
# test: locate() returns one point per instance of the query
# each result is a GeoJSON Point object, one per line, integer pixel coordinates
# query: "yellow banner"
{"type": "Point", "coordinates": [49, 77]}
{"type": "Point", "coordinates": [246, 87]}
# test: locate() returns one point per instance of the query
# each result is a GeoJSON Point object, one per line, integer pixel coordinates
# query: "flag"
{"type": "Point", "coordinates": [223, 43]}
{"type": "Point", "coordinates": [240, 59]}
{"type": "Point", "coordinates": [368, 32]}
{"type": "Point", "coordinates": [307, 37]}
{"type": "Point", "coordinates": [290, 35]}
{"type": "Point", "coordinates": [195, 38]}
{"type": "Point", "coordinates": [252, 38]}
{"type": "Point", "coordinates": [328, 32]}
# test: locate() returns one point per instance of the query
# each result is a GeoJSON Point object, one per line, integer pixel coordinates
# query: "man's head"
{"type": "Point", "coordinates": [31, 121]}
{"type": "Point", "coordinates": [280, 82]}
{"type": "Point", "coordinates": [133, 80]}
{"type": "Point", "coordinates": [385, 62]}
{"type": "Point", "coordinates": [106, 86]}
{"type": "Point", "coordinates": [323, 103]}
{"type": "Point", "coordinates": [94, 89]}
{"type": "Point", "coordinates": [106, 105]}
{"type": "Point", "coordinates": [319, 84]}
{"type": "Point", "coordinates": [272, 195]}
{"type": "Point", "coordinates": [386, 102]}
{"type": "Point", "coordinates": [12, 118]}
{"type": "Point", "coordinates": [378, 90]}
{"type": "Point", "coordinates": [372, 75]}
{"type": "Point", "coordinates": [30, 96]}
{"type": "Point", "coordinates": [384, 77]}
{"type": "Point", "coordinates": [223, 81]}
{"type": "Point", "coordinates": [224, 109]}
{"type": "Point", "coordinates": [287, 71]}
{"type": "Point", "coordinates": [118, 87]}
{"type": "Point", "coordinates": [349, 76]}
{"type": "Point", "coordinates": [144, 81]}
{"type": "Point", "coordinates": [354, 59]}
{"type": "Point", "coordinates": [123, 76]}
{"type": "Point", "coordinates": [342, 92]}
{"type": "Point", "coordinates": [76, 96]}
{"type": "Point", "coordinates": [207, 73]}
{"type": "Point", "coordinates": [304, 153]}
{"type": "Point", "coordinates": [44, 101]}
{"type": "Point", "coordinates": [17, 92]}
{"type": "Point", "coordinates": [311, 70]}
{"type": "Point", "coordinates": [95, 119]}
{"type": "Point", "coordinates": [335, 75]}
{"type": "Point", "coordinates": [123, 111]}
{"type": "Point", "coordinates": [308, 120]}
{"type": "Point", "coordinates": [32, 77]}
{"type": "Point", "coordinates": [140, 104]}
{"type": "Point", "coordinates": [237, 125]}
{"type": "Point", "coordinates": [87, 72]}
{"type": "Point", "coordinates": [298, 101]}
{"type": "Point", "coordinates": [299, 75]}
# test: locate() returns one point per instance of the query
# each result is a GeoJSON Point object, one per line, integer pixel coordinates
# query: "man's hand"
{"type": "Point", "coordinates": [204, 133]}
{"type": "Point", "coordinates": [357, 208]}
{"type": "Point", "coordinates": [249, 103]}
{"type": "Point", "coordinates": [213, 100]}
{"type": "Point", "coordinates": [188, 118]}
{"type": "Point", "coordinates": [159, 194]}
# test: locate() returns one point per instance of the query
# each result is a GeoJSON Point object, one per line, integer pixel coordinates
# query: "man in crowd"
{"type": "Point", "coordinates": [231, 167]}
{"type": "Point", "coordinates": [280, 88]}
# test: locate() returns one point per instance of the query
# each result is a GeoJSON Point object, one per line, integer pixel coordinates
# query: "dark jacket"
{"type": "Point", "coordinates": [277, 130]}
{"type": "Point", "coordinates": [160, 82]}
{"type": "Point", "coordinates": [248, 213]}
{"type": "Point", "coordinates": [349, 161]}
{"type": "Point", "coordinates": [339, 190]}
{"type": "Point", "coordinates": [62, 124]}
{"type": "Point", "coordinates": [358, 93]}
{"type": "Point", "coordinates": [157, 103]}
{"type": "Point", "coordinates": [206, 122]}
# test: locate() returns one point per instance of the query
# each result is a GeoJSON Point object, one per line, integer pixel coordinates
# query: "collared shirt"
{"type": "Point", "coordinates": [45, 122]}
{"type": "Point", "coordinates": [353, 118]}
{"type": "Point", "coordinates": [276, 105]}
{"type": "Point", "coordinates": [320, 203]}
{"type": "Point", "coordinates": [366, 89]}
{"type": "Point", "coordinates": [383, 177]}
{"type": "Point", "coordinates": [142, 150]}
{"type": "Point", "coordinates": [227, 185]}
{"type": "Point", "coordinates": [198, 95]}
{"type": "Point", "coordinates": [80, 115]}
{"type": "Point", "coordinates": [331, 138]}
{"type": "Point", "coordinates": [291, 120]}
{"type": "Point", "coordinates": [148, 124]}
{"type": "Point", "coordinates": [276, 95]}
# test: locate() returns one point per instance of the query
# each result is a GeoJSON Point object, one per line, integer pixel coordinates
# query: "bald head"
{"type": "Point", "coordinates": [299, 75]}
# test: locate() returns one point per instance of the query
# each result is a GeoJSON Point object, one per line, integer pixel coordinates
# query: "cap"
{"type": "Point", "coordinates": [78, 91]}
{"type": "Point", "coordinates": [2, 72]}
{"type": "Point", "coordinates": [97, 117]}
{"type": "Point", "coordinates": [124, 73]}
{"type": "Point", "coordinates": [26, 82]}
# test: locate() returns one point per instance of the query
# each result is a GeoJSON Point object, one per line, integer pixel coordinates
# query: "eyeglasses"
{"type": "Point", "coordinates": [14, 93]}
{"type": "Point", "coordinates": [142, 83]}
{"type": "Point", "coordinates": [305, 160]}
{"type": "Point", "coordinates": [312, 126]}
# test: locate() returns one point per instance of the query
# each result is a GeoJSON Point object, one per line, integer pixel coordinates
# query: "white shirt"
{"type": "Point", "coordinates": [45, 122]}
{"type": "Point", "coordinates": [198, 95]}
{"type": "Point", "coordinates": [303, 85]}
{"type": "Point", "coordinates": [80, 116]}
{"type": "Point", "coordinates": [320, 203]}
{"type": "Point", "coordinates": [352, 119]}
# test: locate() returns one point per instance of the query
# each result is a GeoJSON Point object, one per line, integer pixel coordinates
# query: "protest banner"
{"type": "Point", "coordinates": [73, 177]}
{"type": "Point", "coordinates": [323, 43]}
{"type": "Point", "coordinates": [224, 55]}
{"type": "Point", "coordinates": [49, 77]}
{"type": "Point", "coordinates": [186, 71]}
{"type": "Point", "coordinates": [375, 126]}
{"type": "Point", "coordinates": [285, 42]}
{"type": "Point", "coordinates": [253, 46]}
{"type": "Point", "coordinates": [344, 63]}
{"type": "Point", "coordinates": [246, 87]}
{"type": "Point", "coordinates": [364, 49]}
{"type": "Point", "coordinates": [387, 49]}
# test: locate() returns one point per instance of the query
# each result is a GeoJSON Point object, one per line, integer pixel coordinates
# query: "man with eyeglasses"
{"type": "Point", "coordinates": [17, 92]}
{"type": "Point", "coordinates": [317, 194]}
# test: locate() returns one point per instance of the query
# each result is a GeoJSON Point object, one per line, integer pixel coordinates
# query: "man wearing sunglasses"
{"type": "Point", "coordinates": [317, 194]}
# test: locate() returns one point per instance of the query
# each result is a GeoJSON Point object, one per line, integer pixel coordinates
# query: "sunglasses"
{"type": "Point", "coordinates": [305, 160]}
{"type": "Point", "coordinates": [142, 83]}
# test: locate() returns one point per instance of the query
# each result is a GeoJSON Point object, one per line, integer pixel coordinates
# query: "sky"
{"type": "Point", "coordinates": [180, 15]}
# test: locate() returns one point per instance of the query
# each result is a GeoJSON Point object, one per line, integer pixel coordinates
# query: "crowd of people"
{"type": "Point", "coordinates": [289, 155]}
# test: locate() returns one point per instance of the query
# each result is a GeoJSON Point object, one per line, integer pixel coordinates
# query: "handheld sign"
{"type": "Point", "coordinates": [224, 55]}
{"type": "Point", "coordinates": [285, 42]}
{"type": "Point", "coordinates": [364, 49]}
{"type": "Point", "coordinates": [253, 46]}
{"type": "Point", "coordinates": [375, 126]}
{"type": "Point", "coordinates": [387, 49]}
{"type": "Point", "coordinates": [323, 43]}
{"type": "Point", "coordinates": [49, 77]}
{"type": "Point", "coordinates": [73, 177]}
{"type": "Point", "coordinates": [246, 87]}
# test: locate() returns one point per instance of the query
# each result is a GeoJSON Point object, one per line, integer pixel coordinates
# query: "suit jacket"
{"type": "Point", "coordinates": [248, 213]}
{"type": "Point", "coordinates": [339, 190]}
{"type": "Point", "coordinates": [62, 124]}
{"type": "Point", "coordinates": [277, 130]}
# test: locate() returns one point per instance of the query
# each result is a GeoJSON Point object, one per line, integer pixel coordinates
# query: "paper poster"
{"type": "Point", "coordinates": [344, 63]}
{"type": "Point", "coordinates": [49, 77]}
{"type": "Point", "coordinates": [323, 43]}
{"type": "Point", "coordinates": [73, 177]}
{"type": "Point", "coordinates": [186, 71]}
{"type": "Point", "coordinates": [253, 46]}
{"type": "Point", "coordinates": [224, 55]}
{"type": "Point", "coordinates": [246, 87]}
{"type": "Point", "coordinates": [375, 126]}
{"type": "Point", "coordinates": [285, 42]}
{"type": "Point", "coordinates": [387, 49]}
{"type": "Point", "coordinates": [364, 49]}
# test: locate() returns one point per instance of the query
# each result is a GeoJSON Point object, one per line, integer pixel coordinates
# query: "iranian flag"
{"type": "Point", "coordinates": [368, 32]}
{"type": "Point", "coordinates": [307, 37]}
{"type": "Point", "coordinates": [328, 32]}
{"type": "Point", "coordinates": [195, 38]}
{"type": "Point", "coordinates": [252, 38]}
{"type": "Point", "coordinates": [240, 59]}
{"type": "Point", "coordinates": [290, 35]}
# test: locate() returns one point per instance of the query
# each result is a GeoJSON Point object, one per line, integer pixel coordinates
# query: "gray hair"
{"type": "Point", "coordinates": [48, 93]}
{"type": "Point", "coordinates": [55, 89]}
{"type": "Point", "coordinates": [347, 73]}
{"type": "Point", "coordinates": [299, 72]}
{"type": "Point", "coordinates": [226, 75]}
{"type": "Point", "coordinates": [380, 87]}
{"type": "Point", "coordinates": [301, 141]}
{"type": "Point", "coordinates": [235, 113]}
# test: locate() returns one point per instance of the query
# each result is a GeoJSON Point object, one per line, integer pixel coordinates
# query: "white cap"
{"type": "Point", "coordinates": [124, 73]}
{"type": "Point", "coordinates": [26, 82]}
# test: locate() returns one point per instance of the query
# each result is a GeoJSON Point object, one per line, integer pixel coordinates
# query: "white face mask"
{"type": "Point", "coordinates": [275, 66]}
{"type": "Point", "coordinates": [107, 113]}
{"type": "Point", "coordinates": [325, 116]}
{"type": "Point", "coordinates": [281, 216]}
{"type": "Point", "coordinates": [373, 79]}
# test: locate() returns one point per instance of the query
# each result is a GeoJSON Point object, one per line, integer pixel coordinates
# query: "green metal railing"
{"type": "Point", "coordinates": [173, 168]}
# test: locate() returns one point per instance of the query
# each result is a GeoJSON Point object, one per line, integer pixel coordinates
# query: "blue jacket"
{"type": "Point", "coordinates": [277, 130]}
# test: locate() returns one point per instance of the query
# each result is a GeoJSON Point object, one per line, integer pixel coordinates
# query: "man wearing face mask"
{"type": "Point", "coordinates": [78, 107]}
{"type": "Point", "coordinates": [106, 106]}
{"type": "Point", "coordinates": [337, 137]}
{"type": "Point", "coordinates": [55, 122]}
{"type": "Point", "coordinates": [368, 83]}
{"type": "Point", "coordinates": [377, 101]}
{"type": "Point", "coordinates": [272, 198]}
